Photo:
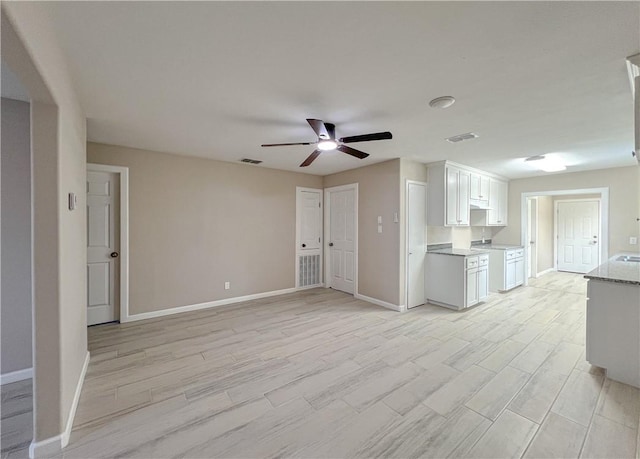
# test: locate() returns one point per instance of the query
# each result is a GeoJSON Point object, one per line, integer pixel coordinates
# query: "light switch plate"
{"type": "Point", "coordinates": [633, 240]}
{"type": "Point", "coordinates": [379, 228]}
{"type": "Point", "coordinates": [379, 219]}
{"type": "Point", "coordinates": [73, 201]}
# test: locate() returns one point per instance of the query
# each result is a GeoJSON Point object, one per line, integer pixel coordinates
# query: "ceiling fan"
{"type": "Point", "coordinates": [326, 133]}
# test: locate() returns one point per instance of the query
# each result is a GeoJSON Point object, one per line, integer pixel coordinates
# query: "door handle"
{"type": "Point", "coordinates": [114, 254]}
{"type": "Point", "coordinates": [330, 244]}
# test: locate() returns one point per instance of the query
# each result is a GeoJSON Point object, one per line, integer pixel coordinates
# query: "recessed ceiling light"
{"type": "Point", "coordinates": [327, 145]}
{"type": "Point", "coordinates": [546, 163]}
{"type": "Point", "coordinates": [442, 102]}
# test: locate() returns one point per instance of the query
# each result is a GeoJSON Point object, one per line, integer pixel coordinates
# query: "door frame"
{"type": "Point", "coordinates": [123, 173]}
{"type": "Point", "coordinates": [327, 232]}
{"type": "Point", "coordinates": [555, 227]}
{"type": "Point", "coordinates": [532, 271]}
{"type": "Point", "coordinates": [604, 216]}
{"type": "Point", "coordinates": [296, 251]}
{"type": "Point", "coordinates": [406, 239]}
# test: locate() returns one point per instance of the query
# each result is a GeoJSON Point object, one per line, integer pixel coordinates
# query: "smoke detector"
{"type": "Point", "coordinates": [462, 137]}
{"type": "Point", "coordinates": [442, 102]}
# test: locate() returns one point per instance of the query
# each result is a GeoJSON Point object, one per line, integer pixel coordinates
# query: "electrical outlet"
{"type": "Point", "coordinates": [379, 228]}
{"type": "Point", "coordinates": [633, 240]}
{"type": "Point", "coordinates": [227, 285]}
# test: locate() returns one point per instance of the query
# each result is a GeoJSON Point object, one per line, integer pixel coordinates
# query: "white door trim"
{"type": "Point", "coordinates": [555, 227]}
{"type": "Point", "coordinates": [297, 270]}
{"type": "Point", "coordinates": [604, 216]}
{"type": "Point", "coordinates": [406, 237]}
{"type": "Point", "coordinates": [327, 230]}
{"type": "Point", "coordinates": [123, 172]}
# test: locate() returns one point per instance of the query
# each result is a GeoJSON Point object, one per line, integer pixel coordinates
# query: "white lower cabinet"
{"type": "Point", "coordinates": [456, 281]}
{"type": "Point", "coordinates": [507, 269]}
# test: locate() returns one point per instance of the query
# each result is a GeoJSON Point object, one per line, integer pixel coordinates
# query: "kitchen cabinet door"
{"type": "Point", "coordinates": [472, 287]}
{"type": "Point", "coordinates": [464, 209]}
{"type": "Point", "coordinates": [475, 187]}
{"type": "Point", "coordinates": [510, 275]}
{"type": "Point", "coordinates": [483, 283]}
{"type": "Point", "coordinates": [503, 203]}
{"type": "Point", "coordinates": [484, 188]}
{"type": "Point", "coordinates": [519, 275]}
{"type": "Point", "coordinates": [453, 176]}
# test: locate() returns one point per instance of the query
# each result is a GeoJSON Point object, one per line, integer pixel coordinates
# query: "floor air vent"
{"type": "Point", "coordinates": [308, 270]}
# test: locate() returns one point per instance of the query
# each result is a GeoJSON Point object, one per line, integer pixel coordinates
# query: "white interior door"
{"type": "Point", "coordinates": [342, 239]}
{"type": "Point", "coordinates": [532, 236]}
{"type": "Point", "coordinates": [416, 242]}
{"type": "Point", "coordinates": [102, 246]}
{"type": "Point", "coordinates": [578, 231]}
{"type": "Point", "coordinates": [308, 237]}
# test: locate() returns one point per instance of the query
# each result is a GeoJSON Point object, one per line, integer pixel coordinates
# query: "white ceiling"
{"type": "Point", "coordinates": [218, 79]}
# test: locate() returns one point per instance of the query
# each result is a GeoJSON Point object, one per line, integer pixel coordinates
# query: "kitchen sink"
{"type": "Point", "coordinates": [628, 258]}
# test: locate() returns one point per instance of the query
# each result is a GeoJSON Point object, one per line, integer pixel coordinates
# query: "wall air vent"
{"type": "Point", "coordinates": [250, 161]}
{"type": "Point", "coordinates": [462, 137]}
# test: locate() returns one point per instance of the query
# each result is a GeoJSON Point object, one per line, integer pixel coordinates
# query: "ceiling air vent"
{"type": "Point", "coordinates": [462, 137]}
{"type": "Point", "coordinates": [250, 161]}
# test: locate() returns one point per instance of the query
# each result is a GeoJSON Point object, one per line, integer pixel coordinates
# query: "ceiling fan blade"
{"type": "Point", "coordinates": [352, 152]}
{"type": "Point", "coordinates": [319, 128]}
{"type": "Point", "coordinates": [286, 144]}
{"type": "Point", "coordinates": [367, 137]}
{"type": "Point", "coordinates": [312, 157]}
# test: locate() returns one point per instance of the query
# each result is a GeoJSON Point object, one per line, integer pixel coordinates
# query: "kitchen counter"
{"type": "Point", "coordinates": [623, 272]}
{"type": "Point", "coordinates": [458, 252]}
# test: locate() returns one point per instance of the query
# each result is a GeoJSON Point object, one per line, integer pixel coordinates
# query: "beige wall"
{"type": "Point", "coordinates": [544, 244]}
{"type": "Point", "coordinates": [624, 205]}
{"type": "Point", "coordinates": [459, 237]}
{"type": "Point", "coordinates": [58, 142]}
{"type": "Point", "coordinates": [196, 223]}
{"type": "Point", "coordinates": [378, 253]}
{"type": "Point", "coordinates": [15, 319]}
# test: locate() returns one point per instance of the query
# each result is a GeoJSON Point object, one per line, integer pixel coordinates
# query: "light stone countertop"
{"type": "Point", "coordinates": [624, 272]}
{"type": "Point", "coordinates": [458, 252]}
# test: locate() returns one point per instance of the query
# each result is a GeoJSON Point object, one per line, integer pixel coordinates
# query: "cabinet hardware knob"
{"type": "Point", "coordinates": [304, 245]}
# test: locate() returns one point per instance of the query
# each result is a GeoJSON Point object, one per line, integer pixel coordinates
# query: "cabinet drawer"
{"type": "Point", "coordinates": [519, 253]}
{"type": "Point", "coordinates": [471, 262]}
{"type": "Point", "coordinates": [511, 254]}
{"type": "Point", "coordinates": [483, 260]}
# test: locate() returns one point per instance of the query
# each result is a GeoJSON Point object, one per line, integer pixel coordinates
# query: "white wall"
{"type": "Point", "coordinates": [16, 345]}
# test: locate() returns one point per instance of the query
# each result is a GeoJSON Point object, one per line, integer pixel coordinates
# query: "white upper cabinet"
{"type": "Point", "coordinates": [454, 188]}
{"type": "Point", "coordinates": [498, 202]}
{"type": "Point", "coordinates": [479, 189]}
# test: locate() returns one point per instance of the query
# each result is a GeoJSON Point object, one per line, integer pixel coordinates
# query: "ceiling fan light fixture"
{"type": "Point", "coordinates": [326, 145]}
{"type": "Point", "coordinates": [442, 102]}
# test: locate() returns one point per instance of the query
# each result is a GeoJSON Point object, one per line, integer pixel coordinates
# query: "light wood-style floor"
{"type": "Point", "coordinates": [319, 374]}
{"type": "Point", "coordinates": [16, 425]}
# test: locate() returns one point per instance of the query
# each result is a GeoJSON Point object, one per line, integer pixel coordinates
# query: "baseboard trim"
{"type": "Point", "coordinates": [15, 376]}
{"type": "Point", "coordinates": [384, 304]}
{"type": "Point", "coordinates": [52, 446]}
{"type": "Point", "coordinates": [546, 271]}
{"type": "Point", "coordinates": [212, 304]}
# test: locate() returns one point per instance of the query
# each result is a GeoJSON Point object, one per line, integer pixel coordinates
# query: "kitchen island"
{"type": "Point", "coordinates": [613, 318]}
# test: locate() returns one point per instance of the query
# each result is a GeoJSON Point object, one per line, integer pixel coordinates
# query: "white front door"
{"type": "Point", "coordinates": [342, 239]}
{"type": "Point", "coordinates": [102, 246]}
{"type": "Point", "coordinates": [416, 242]}
{"type": "Point", "coordinates": [578, 227]}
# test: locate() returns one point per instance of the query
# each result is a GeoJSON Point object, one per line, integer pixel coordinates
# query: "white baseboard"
{"type": "Point", "coordinates": [384, 304]}
{"type": "Point", "coordinates": [52, 446]}
{"type": "Point", "coordinates": [16, 376]}
{"type": "Point", "coordinates": [211, 304]}
{"type": "Point", "coordinates": [546, 271]}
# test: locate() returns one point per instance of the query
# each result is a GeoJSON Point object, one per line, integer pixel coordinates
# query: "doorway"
{"type": "Point", "coordinates": [577, 235]}
{"type": "Point", "coordinates": [341, 236]}
{"type": "Point", "coordinates": [532, 237]}
{"type": "Point", "coordinates": [107, 244]}
{"type": "Point", "coordinates": [416, 242]}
